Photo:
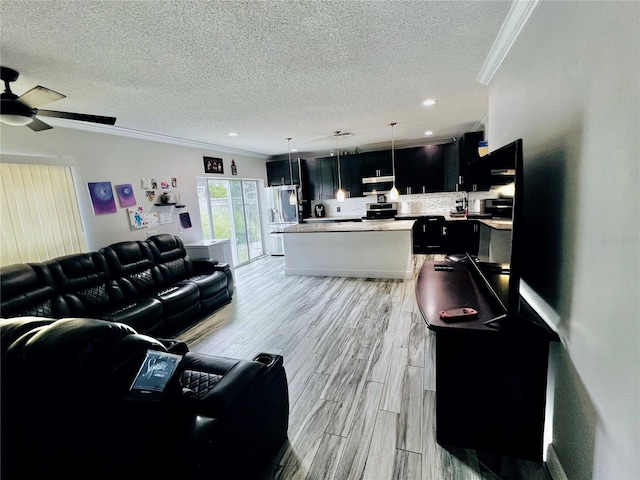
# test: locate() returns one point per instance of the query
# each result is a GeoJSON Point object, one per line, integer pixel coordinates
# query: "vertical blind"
{"type": "Point", "coordinates": [39, 212]}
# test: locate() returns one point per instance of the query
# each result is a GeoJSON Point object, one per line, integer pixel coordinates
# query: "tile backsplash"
{"type": "Point", "coordinates": [419, 204]}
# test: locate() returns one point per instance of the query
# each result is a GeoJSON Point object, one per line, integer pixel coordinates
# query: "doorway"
{"type": "Point", "coordinates": [230, 209]}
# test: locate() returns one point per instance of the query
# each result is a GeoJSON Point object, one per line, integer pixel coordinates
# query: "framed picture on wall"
{"type": "Point", "coordinates": [213, 165]}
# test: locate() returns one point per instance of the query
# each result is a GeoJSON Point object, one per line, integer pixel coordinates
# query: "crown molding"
{"type": "Point", "coordinates": [152, 137]}
{"type": "Point", "coordinates": [517, 18]}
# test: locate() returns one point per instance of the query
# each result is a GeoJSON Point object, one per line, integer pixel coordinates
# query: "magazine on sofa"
{"type": "Point", "coordinates": [154, 375]}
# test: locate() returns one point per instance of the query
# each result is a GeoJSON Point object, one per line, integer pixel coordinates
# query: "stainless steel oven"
{"type": "Point", "coordinates": [381, 211]}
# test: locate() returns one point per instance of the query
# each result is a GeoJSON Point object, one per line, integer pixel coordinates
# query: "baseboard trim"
{"type": "Point", "coordinates": [554, 466]}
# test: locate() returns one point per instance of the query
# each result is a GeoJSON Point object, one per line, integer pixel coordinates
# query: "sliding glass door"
{"type": "Point", "coordinates": [229, 209]}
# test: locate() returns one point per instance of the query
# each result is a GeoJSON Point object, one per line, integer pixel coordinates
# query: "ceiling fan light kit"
{"type": "Point", "coordinates": [22, 111]}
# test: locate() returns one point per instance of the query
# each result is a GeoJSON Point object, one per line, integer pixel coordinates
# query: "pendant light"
{"type": "Point", "coordinates": [393, 194]}
{"type": "Point", "coordinates": [292, 198]}
{"type": "Point", "coordinates": [340, 193]}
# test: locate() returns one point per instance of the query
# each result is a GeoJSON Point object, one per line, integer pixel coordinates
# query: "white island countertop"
{"type": "Point", "coordinates": [364, 226]}
{"type": "Point", "coordinates": [368, 249]}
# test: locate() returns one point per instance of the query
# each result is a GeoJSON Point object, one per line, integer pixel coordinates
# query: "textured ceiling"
{"type": "Point", "coordinates": [198, 70]}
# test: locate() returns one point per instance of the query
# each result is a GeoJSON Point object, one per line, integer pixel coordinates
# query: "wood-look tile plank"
{"type": "Point", "coordinates": [392, 397]}
{"type": "Point", "coordinates": [410, 419]}
{"type": "Point", "coordinates": [325, 461]}
{"type": "Point", "coordinates": [430, 362]}
{"type": "Point", "coordinates": [353, 458]}
{"type": "Point", "coordinates": [305, 443]}
{"type": "Point", "coordinates": [407, 466]}
{"type": "Point", "coordinates": [381, 458]}
{"type": "Point", "coordinates": [416, 346]}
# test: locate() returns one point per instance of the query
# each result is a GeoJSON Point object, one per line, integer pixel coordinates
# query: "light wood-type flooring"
{"type": "Point", "coordinates": [360, 363]}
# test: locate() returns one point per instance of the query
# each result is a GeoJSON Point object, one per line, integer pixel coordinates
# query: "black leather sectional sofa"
{"type": "Point", "coordinates": [68, 410]}
{"type": "Point", "coordinates": [152, 285]}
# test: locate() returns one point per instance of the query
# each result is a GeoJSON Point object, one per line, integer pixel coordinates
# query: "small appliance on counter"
{"type": "Point", "coordinates": [381, 211]}
{"type": "Point", "coordinates": [499, 207]}
{"type": "Point", "coordinates": [319, 209]}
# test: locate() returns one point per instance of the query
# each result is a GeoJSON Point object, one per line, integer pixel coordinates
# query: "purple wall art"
{"type": "Point", "coordinates": [102, 198]}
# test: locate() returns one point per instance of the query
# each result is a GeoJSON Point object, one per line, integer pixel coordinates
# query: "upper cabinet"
{"type": "Point", "coordinates": [323, 178]}
{"type": "Point", "coordinates": [420, 169]}
{"type": "Point", "coordinates": [279, 172]}
{"type": "Point", "coordinates": [351, 174]}
{"type": "Point", "coordinates": [424, 169]}
{"type": "Point", "coordinates": [376, 164]}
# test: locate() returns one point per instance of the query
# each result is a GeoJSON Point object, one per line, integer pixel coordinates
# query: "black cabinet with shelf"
{"type": "Point", "coordinates": [463, 236]}
{"type": "Point", "coordinates": [491, 380]}
{"type": "Point", "coordinates": [429, 234]}
{"type": "Point", "coordinates": [457, 157]}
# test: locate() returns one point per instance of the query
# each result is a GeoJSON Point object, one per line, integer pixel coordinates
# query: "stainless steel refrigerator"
{"type": "Point", "coordinates": [281, 211]}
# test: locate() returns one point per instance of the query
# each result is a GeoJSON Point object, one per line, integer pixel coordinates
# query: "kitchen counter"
{"type": "Point", "coordinates": [362, 226]}
{"type": "Point", "coordinates": [448, 216]}
{"type": "Point", "coordinates": [331, 219]}
{"type": "Point", "coordinates": [498, 224]}
{"type": "Point", "coordinates": [365, 249]}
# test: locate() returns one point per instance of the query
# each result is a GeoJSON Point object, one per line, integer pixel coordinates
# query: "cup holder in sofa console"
{"type": "Point", "coordinates": [265, 358]}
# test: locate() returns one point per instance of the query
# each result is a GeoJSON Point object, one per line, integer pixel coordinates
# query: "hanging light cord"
{"type": "Point", "coordinates": [393, 155]}
{"type": "Point", "coordinates": [290, 167]}
{"type": "Point", "coordinates": [338, 148]}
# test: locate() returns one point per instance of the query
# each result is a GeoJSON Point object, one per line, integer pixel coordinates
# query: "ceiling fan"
{"type": "Point", "coordinates": [22, 110]}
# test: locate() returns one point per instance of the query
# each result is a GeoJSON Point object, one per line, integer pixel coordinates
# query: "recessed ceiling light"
{"type": "Point", "coordinates": [232, 134]}
{"type": "Point", "coordinates": [294, 149]}
{"type": "Point", "coordinates": [428, 133]}
{"type": "Point", "coordinates": [428, 103]}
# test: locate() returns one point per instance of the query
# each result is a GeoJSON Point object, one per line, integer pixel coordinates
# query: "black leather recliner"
{"type": "Point", "coordinates": [29, 290]}
{"type": "Point", "coordinates": [66, 410]}
{"type": "Point", "coordinates": [214, 280]}
{"type": "Point", "coordinates": [132, 264]}
{"type": "Point", "coordinates": [90, 291]}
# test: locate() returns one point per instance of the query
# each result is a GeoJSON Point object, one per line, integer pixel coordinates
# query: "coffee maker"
{"type": "Point", "coordinates": [319, 209]}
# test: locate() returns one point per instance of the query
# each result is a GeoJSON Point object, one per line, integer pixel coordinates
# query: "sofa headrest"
{"type": "Point", "coordinates": [12, 329]}
{"type": "Point", "coordinates": [23, 286]}
{"type": "Point", "coordinates": [128, 257]}
{"type": "Point", "coordinates": [166, 247]}
{"type": "Point", "coordinates": [79, 270]}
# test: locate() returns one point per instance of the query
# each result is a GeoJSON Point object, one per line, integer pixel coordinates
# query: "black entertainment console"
{"type": "Point", "coordinates": [490, 378]}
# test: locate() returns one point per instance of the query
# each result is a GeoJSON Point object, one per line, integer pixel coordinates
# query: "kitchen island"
{"type": "Point", "coordinates": [369, 249]}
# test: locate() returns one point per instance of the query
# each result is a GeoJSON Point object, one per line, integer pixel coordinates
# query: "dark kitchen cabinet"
{"type": "Point", "coordinates": [458, 156]}
{"type": "Point", "coordinates": [351, 174]}
{"type": "Point", "coordinates": [279, 173]}
{"type": "Point", "coordinates": [468, 156]}
{"type": "Point", "coordinates": [420, 169]}
{"type": "Point", "coordinates": [376, 164]}
{"type": "Point", "coordinates": [429, 235]}
{"type": "Point", "coordinates": [463, 236]}
{"type": "Point", "coordinates": [491, 170]}
{"type": "Point", "coordinates": [323, 178]}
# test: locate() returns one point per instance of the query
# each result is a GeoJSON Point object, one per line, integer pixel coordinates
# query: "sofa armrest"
{"type": "Point", "coordinates": [204, 265]}
{"type": "Point", "coordinates": [219, 382]}
{"type": "Point", "coordinates": [226, 268]}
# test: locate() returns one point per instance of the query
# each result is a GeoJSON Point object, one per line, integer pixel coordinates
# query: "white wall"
{"type": "Point", "coordinates": [570, 87]}
{"type": "Point", "coordinates": [99, 157]}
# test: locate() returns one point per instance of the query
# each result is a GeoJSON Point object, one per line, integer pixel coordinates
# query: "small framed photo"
{"type": "Point", "coordinates": [213, 165]}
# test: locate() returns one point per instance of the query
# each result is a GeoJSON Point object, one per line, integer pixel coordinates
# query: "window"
{"type": "Point", "coordinates": [229, 209]}
{"type": "Point", "coordinates": [39, 213]}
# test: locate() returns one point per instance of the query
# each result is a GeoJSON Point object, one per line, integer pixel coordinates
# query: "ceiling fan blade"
{"type": "Point", "coordinates": [78, 116]}
{"type": "Point", "coordinates": [39, 96]}
{"type": "Point", "coordinates": [38, 125]}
